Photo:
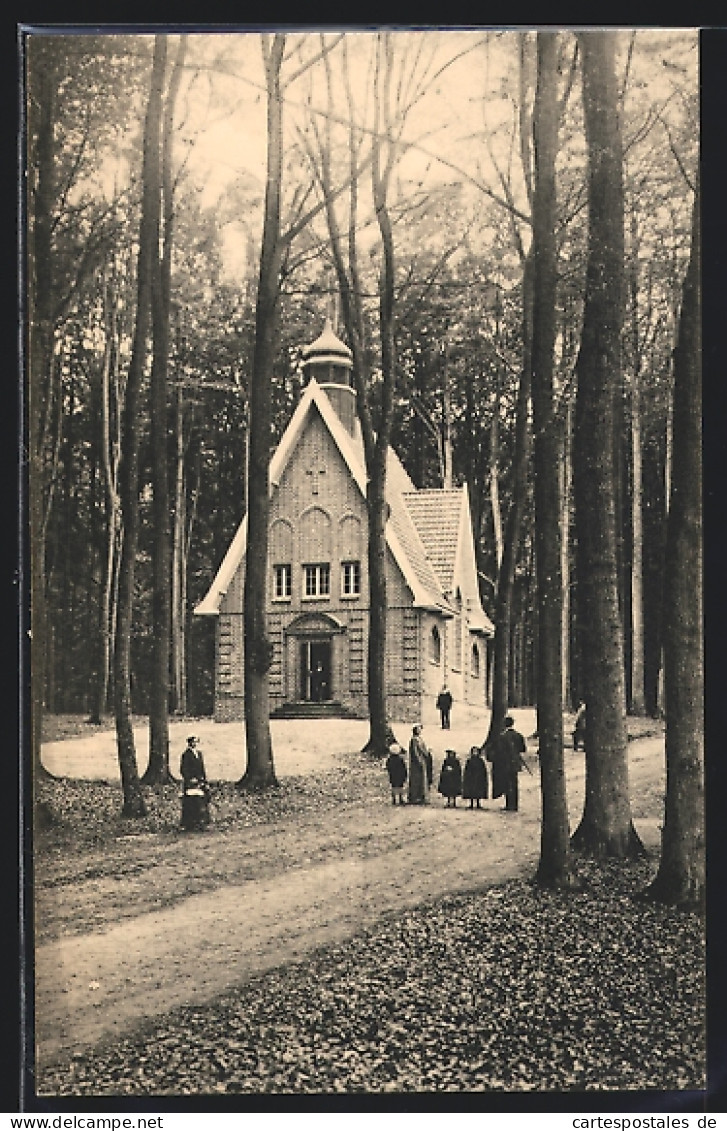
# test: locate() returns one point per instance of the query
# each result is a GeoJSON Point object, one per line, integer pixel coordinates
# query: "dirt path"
{"type": "Point", "coordinates": [321, 882]}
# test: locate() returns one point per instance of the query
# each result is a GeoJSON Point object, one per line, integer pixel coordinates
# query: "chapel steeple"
{"type": "Point", "coordinates": [330, 361]}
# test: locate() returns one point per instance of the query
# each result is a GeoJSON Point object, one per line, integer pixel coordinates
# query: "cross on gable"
{"type": "Point", "coordinates": [315, 471]}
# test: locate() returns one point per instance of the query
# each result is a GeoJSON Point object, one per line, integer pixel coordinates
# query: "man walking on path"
{"type": "Point", "coordinates": [507, 762]}
{"type": "Point", "coordinates": [444, 706]}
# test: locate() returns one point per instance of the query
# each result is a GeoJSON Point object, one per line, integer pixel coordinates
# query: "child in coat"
{"type": "Point", "coordinates": [396, 769]}
{"type": "Point", "coordinates": [475, 778]}
{"type": "Point", "coordinates": [450, 779]}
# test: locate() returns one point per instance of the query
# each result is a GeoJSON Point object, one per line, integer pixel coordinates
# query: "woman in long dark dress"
{"type": "Point", "coordinates": [195, 791]}
{"type": "Point", "coordinates": [419, 774]}
{"type": "Point", "coordinates": [474, 785]}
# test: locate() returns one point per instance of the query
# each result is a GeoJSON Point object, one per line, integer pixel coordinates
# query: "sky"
{"type": "Point", "coordinates": [464, 119]}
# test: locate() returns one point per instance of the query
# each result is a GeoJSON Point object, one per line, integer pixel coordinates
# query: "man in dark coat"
{"type": "Point", "coordinates": [396, 769]}
{"type": "Point", "coordinates": [444, 706]}
{"type": "Point", "coordinates": [195, 791]}
{"type": "Point", "coordinates": [506, 755]}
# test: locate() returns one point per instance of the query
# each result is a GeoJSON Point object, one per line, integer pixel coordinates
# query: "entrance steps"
{"type": "Point", "coordinates": [330, 709]}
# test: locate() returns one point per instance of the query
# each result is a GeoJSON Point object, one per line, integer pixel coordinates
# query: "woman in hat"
{"type": "Point", "coordinates": [195, 791]}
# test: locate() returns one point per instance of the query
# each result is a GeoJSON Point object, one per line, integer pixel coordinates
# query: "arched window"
{"type": "Point", "coordinates": [316, 539]}
{"type": "Point", "coordinates": [475, 662]}
{"type": "Point", "coordinates": [435, 646]}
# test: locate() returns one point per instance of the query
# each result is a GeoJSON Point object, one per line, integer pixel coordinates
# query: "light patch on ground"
{"type": "Point", "coordinates": [299, 748]}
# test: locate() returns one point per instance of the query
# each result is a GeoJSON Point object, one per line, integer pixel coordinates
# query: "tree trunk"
{"type": "Point", "coordinates": [109, 471]}
{"type": "Point", "coordinates": [446, 442]}
{"type": "Point", "coordinates": [40, 352]}
{"type": "Point", "coordinates": [494, 481]}
{"type": "Point", "coordinates": [179, 567]}
{"type": "Point", "coordinates": [129, 469]}
{"type": "Point", "coordinates": [637, 701]}
{"type": "Point", "coordinates": [565, 559]}
{"type": "Point", "coordinates": [378, 507]}
{"type": "Point", "coordinates": [260, 770]}
{"type": "Point", "coordinates": [158, 772]}
{"type": "Point", "coordinates": [513, 527]}
{"type": "Point", "coordinates": [554, 866]}
{"type": "Point", "coordinates": [376, 445]}
{"type": "Point", "coordinates": [606, 829]}
{"type": "Point", "coordinates": [681, 876]}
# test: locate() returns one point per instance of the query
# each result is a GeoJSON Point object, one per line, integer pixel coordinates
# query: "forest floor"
{"type": "Point", "coordinates": [299, 904]}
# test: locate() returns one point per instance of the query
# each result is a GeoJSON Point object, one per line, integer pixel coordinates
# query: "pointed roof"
{"type": "Point", "coordinates": [442, 518]}
{"type": "Point", "coordinates": [436, 515]}
{"type": "Point", "coordinates": [327, 347]}
{"type": "Point", "coordinates": [411, 526]}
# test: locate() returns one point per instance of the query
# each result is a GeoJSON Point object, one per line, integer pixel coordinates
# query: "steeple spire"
{"type": "Point", "coordinates": [330, 361]}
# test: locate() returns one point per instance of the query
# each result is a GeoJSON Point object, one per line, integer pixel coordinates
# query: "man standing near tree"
{"type": "Point", "coordinates": [506, 756]}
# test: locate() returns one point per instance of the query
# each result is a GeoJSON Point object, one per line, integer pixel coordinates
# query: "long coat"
{"type": "Point", "coordinates": [474, 786]}
{"type": "Point", "coordinates": [195, 793]}
{"type": "Point", "coordinates": [419, 777]}
{"type": "Point", "coordinates": [506, 757]}
{"type": "Point", "coordinates": [191, 766]}
{"type": "Point", "coordinates": [450, 777]}
{"type": "Point", "coordinates": [396, 769]}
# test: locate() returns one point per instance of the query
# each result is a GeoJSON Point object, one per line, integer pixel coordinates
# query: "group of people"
{"type": "Point", "coordinates": [473, 783]}
{"type": "Point", "coordinates": [505, 755]}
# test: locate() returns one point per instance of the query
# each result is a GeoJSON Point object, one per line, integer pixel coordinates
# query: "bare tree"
{"type": "Point", "coordinates": [554, 866]}
{"type": "Point", "coordinates": [40, 357]}
{"type": "Point", "coordinates": [606, 828]}
{"type": "Point", "coordinates": [158, 769]}
{"type": "Point", "coordinates": [511, 542]}
{"type": "Point", "coordinates": [681, 875]}
{"type": "Point", "coordinates": [129, 469]}
{"type": "Point", "coordinates": [260, 771]}
{"type": "Point", "coordinates": [393, 98]}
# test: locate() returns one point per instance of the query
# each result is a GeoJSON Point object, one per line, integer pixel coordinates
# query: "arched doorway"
{"type": "Point", "coordinates": [315, 659]}
{"type": "Point", "coordinates": [315, 670]}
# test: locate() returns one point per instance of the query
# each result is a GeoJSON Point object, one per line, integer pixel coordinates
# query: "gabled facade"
{"type": "Point", "coordinates": [318, 595]}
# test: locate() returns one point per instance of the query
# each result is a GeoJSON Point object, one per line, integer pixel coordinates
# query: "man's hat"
{"type": "Point", "coordinates": [508, 721]}
{"type": "Point", "coordinates": [192, 738]}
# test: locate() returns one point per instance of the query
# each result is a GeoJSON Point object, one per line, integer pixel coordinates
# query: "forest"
{"type": "Point", "coordinates": [505, 227]}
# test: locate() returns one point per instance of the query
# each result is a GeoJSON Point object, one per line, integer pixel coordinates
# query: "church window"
{"type": "Point", "coordinates": [350, 579]}
{"type": "Point", "coordinates": [283, 577]}
{"type": "Point", "coordinates": [435, 646]}
{"type": "Point", "coordinates": [475, 662]}
{"type": "Point", "coordinates": [317, 580]}
{"type": "Point", "coordinates": [456, 630]}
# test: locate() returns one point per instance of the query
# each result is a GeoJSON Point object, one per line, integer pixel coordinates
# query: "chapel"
{"type": "Point", "coordinates": [317, 597]}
